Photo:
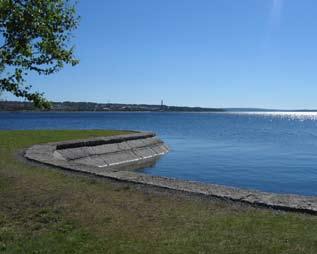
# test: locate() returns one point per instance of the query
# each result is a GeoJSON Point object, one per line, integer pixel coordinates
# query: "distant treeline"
{"type": "Point", "coordinates": [91, 106]}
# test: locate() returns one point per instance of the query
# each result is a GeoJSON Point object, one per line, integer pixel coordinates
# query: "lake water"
{"type": "Point", "coordinates": [267, 151]}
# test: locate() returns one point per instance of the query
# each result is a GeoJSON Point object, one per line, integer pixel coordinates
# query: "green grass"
{"type": "Point", "coordinates": [51, 211]}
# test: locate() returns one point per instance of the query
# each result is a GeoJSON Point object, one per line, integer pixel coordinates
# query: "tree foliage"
{"type": "Point", "coordinates": [34, 37]}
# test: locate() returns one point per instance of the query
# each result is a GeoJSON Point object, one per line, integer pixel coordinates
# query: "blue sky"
{"type": "Point", "coordinates": [212, 53]}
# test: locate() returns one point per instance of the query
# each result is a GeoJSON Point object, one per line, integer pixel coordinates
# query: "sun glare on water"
{"type": "Point", "coordinates": [281, 114]}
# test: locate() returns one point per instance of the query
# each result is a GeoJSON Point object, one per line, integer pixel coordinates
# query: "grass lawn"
{"type": "Point", "coordinates": [52, 211]}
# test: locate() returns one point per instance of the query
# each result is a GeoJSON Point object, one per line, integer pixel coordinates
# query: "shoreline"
{"type": "Point", "coordinates": [46, 208]}
{"type": "Point", "coordinates": [288, 202]}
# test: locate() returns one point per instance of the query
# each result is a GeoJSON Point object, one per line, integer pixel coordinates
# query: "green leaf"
{"type": "Point", "coordinates": [35, 38]}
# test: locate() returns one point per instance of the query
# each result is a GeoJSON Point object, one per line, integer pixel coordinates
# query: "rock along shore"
{"type": "Point", "coordinates": [117, 157]}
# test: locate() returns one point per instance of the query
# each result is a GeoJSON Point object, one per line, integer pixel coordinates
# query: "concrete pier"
{"type": "Point", "coordinates": [119, 152]}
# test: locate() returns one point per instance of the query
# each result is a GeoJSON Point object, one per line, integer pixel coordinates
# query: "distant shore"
{"type": "Point", "coordinates": [68, 106]}
{"type": "Point", "coordinates": [102, 107]}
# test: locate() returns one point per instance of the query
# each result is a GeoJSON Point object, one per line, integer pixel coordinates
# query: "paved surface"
{"type": "Point", "coordinates": [116, 157]}
{"type": "Point", "coordinates": [115, 151]}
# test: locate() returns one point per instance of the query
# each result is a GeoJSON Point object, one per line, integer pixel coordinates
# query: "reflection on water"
{"type": "Point", "coordinates": [286, 115]}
